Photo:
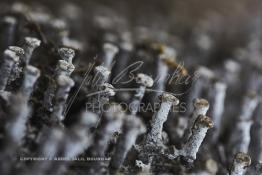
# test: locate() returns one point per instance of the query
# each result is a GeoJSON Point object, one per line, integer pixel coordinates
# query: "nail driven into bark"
{"type": "Point", "coordinates": [18, 50]}
{"type": "Point", "coordinates": [31, 74]}
{"type": "Point", "coordinates": [110, 51]}
{"type": "Point", "coordinates": [204, 75]}
{"type": "Point", "coordinates": [123, 56]}
{"type": "Point", "coordinates": [201, 126]}
{"type": "Point", "coordinates": [217, 95]}
{"type": "Point", "coordinates": [19, 109]}
{"type": "Point", "coordinates": [144, 81]}
{"type": "Point", "coordinates": [50, 140]}
{"type": "Point", "coordinates": [258, 168]}
{"type": "Point", "coordinates": [132, 127]}
{"type": "Point", "coordinates": [240, 136]}
{"type": "Point", "coordinates": [201, 107]}
{"type": "Point", "coordinates": [111, 122]}
{"type": "Point", "coordinates": [77, 139]}
{"type": "Point", "coordinates": [107, 91]}
{"type": "Point", "coordinates": [249, 105]}
{"type": "Point", "coordinates": [66, 54]}
{"type": "Point", "coordinates": [164, 53]}
{"type": "Point", "coordinates": [65, 68]}
{"type": "Point", "coordinates": [102, 99]}
{"type": "Point", "coordinates": [64, 84]}
{"type": "Point", "coordinates": [17, 118]}
{"type": "Point", "coordinates": [101, 76]}
{"type": "Point", "coordinates": [8, 34]}
{"type": "Point", "coordinates": [256, 143]}
{"type": "Point", "coordinates": [10, 59]}
{"type": "Point", "coordinates": [17, 68]}
{"type": "Point", "coordinates": [80, 134]}
{"type": "Point", "coordinates": [240, 163]}
{"type": "Point", "coordinates": [155, 135]}
{"type": "Point", "coordinates": [30, 45]}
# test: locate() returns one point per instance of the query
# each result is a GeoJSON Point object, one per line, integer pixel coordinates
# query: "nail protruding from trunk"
{"type": "Point", "coordinates": [155, 135]}
{"type": "Point", "coordinates": [10, 59]}
{"type": "Point", "coordinates": [65, 84]}
{"type": "Point", "coordinates": [30, 45]}
{"type": "Point", "coordinates": [240, 163]}
{"type": "Point", "coordinates": [66, 54]}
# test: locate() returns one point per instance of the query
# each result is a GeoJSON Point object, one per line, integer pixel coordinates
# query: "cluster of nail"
{"type": "Point", "coordinates": [123, 101]}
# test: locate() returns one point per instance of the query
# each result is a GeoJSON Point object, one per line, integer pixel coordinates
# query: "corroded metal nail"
{"type": "Point", "coordinates": [256, 144]}
{"type": "Point", "coordinates": [18, 115]}
{"type": "Point", "coordinates": [144, 81]}
{"type": "Point", "coordinates": [111, 122]}
{"type": "Point", "coordinates": [50, 146]}
{"type": "Point", "coordinates": [10, 59]}
{"type": "Point", "coordinates": [64, 84]}
{"type": "Point", "coordinates": [161, 70]}
{"type": "Point", "coordinates": [202, 77]}
{"type": "Point", "coordinates": [101, 76]}
{"type": "Point", "coordinates": [249, 105]}
{"type": "Point", "coordinates": [31, 74]}
{"type": "Point", "coordinates": [102, 99]}
{"type": "Point", "coordinates": [201, 107]}
{"type": "Point", "coordinates": [18, 50]}
{"type": "Point", "coordinates": [199, 130]}
{"type": "Point", "coordinates": [30, 45]}
{"type": "Point", "coordinates": [258, 168]}
{"type": "Point", "coordinates": [81, 136]}
{"type": "Point", "coordinates": [132, 127]}
{"type": "Point", "coordinates": [66, 54]}
{"type": "Point", "coordinates": [217, 95]}
{"type": "Point", "coordinates": [17, 68]}
{"type": "Point", "coordinates": [240, 136]}
{"type": "Point", "coordinates": [110, 51]}
{"type": "Point", "coordinates": [240, 163]}
{"type": "Point", "coordinates": [155, 135]}
{"type": "Point", "coordinates": [10, 23]}
{"type": "Point", "coordinates": [65, 68]}
{"type": "Point", "coordinates": [107, 90]}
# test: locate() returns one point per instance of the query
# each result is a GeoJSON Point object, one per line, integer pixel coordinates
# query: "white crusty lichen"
{"type": "Point", "coordinates": [111, 122]}
{"type": "Point", "coordinates": [64, 67]}
{"type": "Point", "coordinates": [249, 104]}
{"type": "Point", "coordinates": [18, 113]}
{"type": "Point", "coordinates": [201, 107]}
{"type": "Point", "coordinates": [30, 44]}
{"type": "Point", "coordinates": [240, 163]}
{"type": "Point", "coordinates": [217, 93]}
{"type": "Point", "coordinates": [79, 137]}
{"type": "Point", "coordinates": [132, 127]}
{"type": "Point", "coordinates": [163, 53]}
{"type": "Point", "coordinates": [101, 76]}
{"type": "Point", "coordinates": [18, 50]}
{"type": "Point", "coordinates": [240, 136]}
{"type": "Point", "coordinates": [64, 84]}
{"type": "Point", "coordinates": [201, 126]}
{"type": "Point", "coordinates": [31, 74]}
{"type": "Point", "coordinates": [155, 134]}
{"type": "Point", "coordinates": [143, 81]}
{"type": "Point", "coordinates": [66, 54]}
{"type": "Point", "coordinates": [110, 51]}
{"type": "Point", "coordinates": [9, 60]}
